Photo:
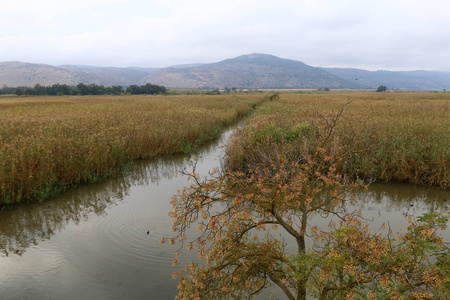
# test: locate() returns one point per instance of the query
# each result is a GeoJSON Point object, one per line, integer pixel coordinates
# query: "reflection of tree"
{"type": "Point", "coordinates": [24, 226]}
{"type": "Point", "coordinates": [152, 171]}
{"type": "Point", "coordinates": [396, 197]}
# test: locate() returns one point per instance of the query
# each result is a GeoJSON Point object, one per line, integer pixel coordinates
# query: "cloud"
{"type": "Point", "coordinates": [372, 34]}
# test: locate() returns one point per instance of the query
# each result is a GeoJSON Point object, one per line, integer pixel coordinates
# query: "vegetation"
{"type": "Point", "coordinates": [408, 134]}
{"type": "Point", "coordinates": [83, 89]}
{"type": "Point", "coordinates": [47, 143]}
{"type": "Point", "coordinates": [381, 88]}
{"type": "Point", "coordinates": [274, 97]}
{"type": "Point", "coordinates": [291, 164]}
{"type": "Point", "coordinates": [240, 219]}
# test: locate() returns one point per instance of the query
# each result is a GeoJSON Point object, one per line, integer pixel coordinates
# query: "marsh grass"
{"type": "Point", "coordinates": [407, 134]}
{"type": "Point", "coordinates": [48, 144]}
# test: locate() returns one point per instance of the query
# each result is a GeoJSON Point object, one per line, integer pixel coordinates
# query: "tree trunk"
{"type": "Point", "coordinates": [301, 285]}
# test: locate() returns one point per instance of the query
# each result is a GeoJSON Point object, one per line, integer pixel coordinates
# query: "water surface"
{"type": "Point", "coordinates": [101, 241]}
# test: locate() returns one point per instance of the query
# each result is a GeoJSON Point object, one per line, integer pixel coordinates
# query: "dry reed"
{"type": "Point", "coordinates": [47, 143]}
{"type": "Point", "coordinates": [408, 134]}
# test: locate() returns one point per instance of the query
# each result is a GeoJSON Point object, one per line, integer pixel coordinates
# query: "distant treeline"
{"type": "Point", "coordinates": [83, 89]}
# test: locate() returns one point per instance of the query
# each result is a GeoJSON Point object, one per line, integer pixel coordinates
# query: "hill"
{"type": "Point", "coordinates": [256, 71]}
{"type": "Point", "coordinates": [402, 80]}
{"type": "Point", "coordinates": [15, 74]}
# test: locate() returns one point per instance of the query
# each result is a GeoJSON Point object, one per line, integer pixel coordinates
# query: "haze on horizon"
{"type": "Point", "coordinates": [372, 35]}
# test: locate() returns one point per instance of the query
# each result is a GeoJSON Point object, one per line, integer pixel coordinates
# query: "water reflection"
{"type": "Point", "coordinates": [397, 196]}
{"type": "Point", "coordinates": [394, 202]}
{"type": "Point", "coordinates": [24, 226]}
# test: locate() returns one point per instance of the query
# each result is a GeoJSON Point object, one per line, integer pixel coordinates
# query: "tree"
{"type": "Point", "coordinates": [285, 194]}
{"type": "Point", "coordinates": [20, 90]}
{"type": "Point", "coordinates": [274, 97]}
{"type": "Point", "coordinates": [239, 214]}
{"type": "Point", "coordinates": [116, 89]}
{"type": "Point", "coordinates": [351, 261]}
{"type": "Point", "coordinates": [39, 90]}
{"type": "Point", "coordinates": [134, 89]}
{"type": "Point", "coordinates": [94, 89]}
{"type": "Point", "coordinates": [82, 89]}
{"type": "Point", "coordinates": [381, 88]}
{"type": "Point", "coordinates": [152, 89]}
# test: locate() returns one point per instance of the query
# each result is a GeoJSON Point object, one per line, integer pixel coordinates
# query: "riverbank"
{"type": "Point", "coordinates": [49, 144]}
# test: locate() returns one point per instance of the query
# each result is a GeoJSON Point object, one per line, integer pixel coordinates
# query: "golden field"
{"type": "Point", "coordinates": [405, 136]}
{"type": "Point", "coordinates": [50, 143]}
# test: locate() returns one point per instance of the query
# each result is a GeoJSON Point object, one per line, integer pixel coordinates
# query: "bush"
{"type": "Point", "coordinates": [381, 88]}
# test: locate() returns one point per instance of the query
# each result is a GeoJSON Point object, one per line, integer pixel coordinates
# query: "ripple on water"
{"type": "Point", "coordinates": [133, 238]}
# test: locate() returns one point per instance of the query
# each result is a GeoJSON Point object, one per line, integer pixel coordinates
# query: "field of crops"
{"type": "Point", "coordinates": [50, 143]}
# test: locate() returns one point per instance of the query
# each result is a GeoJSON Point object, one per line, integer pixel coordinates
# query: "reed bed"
{"type": "Point", "coordinates": [48, 143]}
{"type": "Point", "coordinates": [406, 135]}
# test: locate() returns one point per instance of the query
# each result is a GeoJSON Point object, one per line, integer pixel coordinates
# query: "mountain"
{"type": "Point", "coordinates": [441, 80]}
{"type": "Point", "coordinates": [402, 80]}
{"type": "Point", "coordinates": [24, 74]}
{"type": "Point", "coordinates": [186, 66]}
{"type": "Point", "coordinates": [107, 76]}
{"type": "Point", "coordinates": [146, 70]}
{"type": "Point", "coordinates": [253, 71]}
{"type": "Point", "coordinates": [15, 74]}
{"type": "Point", "coordinates": [256, 71]}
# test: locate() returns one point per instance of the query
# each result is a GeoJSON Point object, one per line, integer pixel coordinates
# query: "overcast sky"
{"type": "Point", "coordinates": [373, 35]}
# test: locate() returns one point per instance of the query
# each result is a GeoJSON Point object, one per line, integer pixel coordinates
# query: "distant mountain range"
{"type": "Point", "coordinates": [402, 80]}
{"type": "Point", "coordinates": [254, 71]}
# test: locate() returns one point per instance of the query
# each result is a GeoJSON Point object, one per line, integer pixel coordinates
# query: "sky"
{"type": "Point", "coordinates": [366, 34]}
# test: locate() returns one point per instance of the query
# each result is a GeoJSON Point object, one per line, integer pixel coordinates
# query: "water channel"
{"type": "Point", "coordinates": [101, 241]}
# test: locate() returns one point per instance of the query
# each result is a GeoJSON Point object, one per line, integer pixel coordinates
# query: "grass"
{"type": "Point", "coordinates": [48, 143]}
{"type": "Point", "coordinates": [408, 133]}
